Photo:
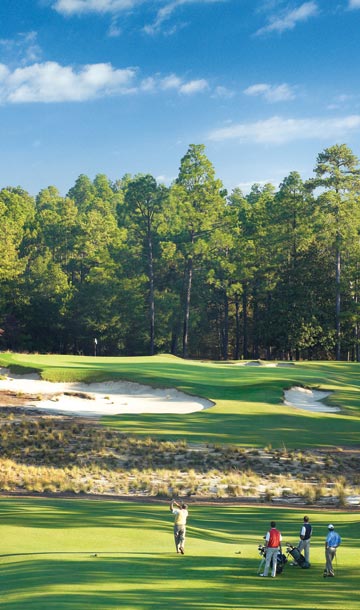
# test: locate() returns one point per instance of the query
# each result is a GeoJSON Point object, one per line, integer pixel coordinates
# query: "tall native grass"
{"type": "Point", "coordinates": [163, 483]}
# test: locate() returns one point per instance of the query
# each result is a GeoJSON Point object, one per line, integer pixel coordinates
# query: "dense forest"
{"type": "Point", "coordinates": [132, 267]}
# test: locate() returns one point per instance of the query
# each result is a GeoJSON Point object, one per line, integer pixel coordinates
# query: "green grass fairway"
{"type": "Point", "coordinates": [47, 558]}
{"type": "Point", "coordinates": [248, 411]}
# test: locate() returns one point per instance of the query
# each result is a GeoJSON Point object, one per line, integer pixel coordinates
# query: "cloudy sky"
{"type": "Point", "coordinates": [124, 86]}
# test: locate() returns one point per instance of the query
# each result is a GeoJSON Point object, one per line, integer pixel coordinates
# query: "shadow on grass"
{"type": "Point", "coordinates": [220, 523]}
{"type": "Point", "coordinates": [135, 578]}
{"type": "Point", "coordinates": [189, 583]}
{"type": "Point", "coordinates": [66, 514]}
{"type": "Point", "coordinates": [244, 427]}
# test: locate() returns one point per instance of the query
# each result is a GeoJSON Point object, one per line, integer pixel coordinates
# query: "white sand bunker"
{"type": "Point", "coordinates": [309, 400]}
{"type": "Point", "coordinates": [97, 399]}
{"type": "Point", "coordinates": [264, 364]}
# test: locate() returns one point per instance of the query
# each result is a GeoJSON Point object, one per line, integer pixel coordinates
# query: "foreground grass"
{"type": "Point", "coordinates": [48, 563]}
{"type": "Point", "coordinates": [248, 411]}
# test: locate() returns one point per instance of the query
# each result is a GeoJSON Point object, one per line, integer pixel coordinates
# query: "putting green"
{"type": "Point", "coordinates": [95, 555]}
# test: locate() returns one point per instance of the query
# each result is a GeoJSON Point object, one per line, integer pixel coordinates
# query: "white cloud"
{"type": "Point", "coordinates": [50, 82]}
{"type": "Point", "coordinates": [258, 89]}
{"type": "Point", "coordinates": [166, 180]}
{"type": "Point", "coordinates": [194, 86]}
{"type": "Point", "coordinates": [272, 93]}
{"type": "Point", "coordinates": [81, 7]}
{"type": "Point", "coordinates": [223, 92]}
{"type": "Point", "coordinates": [289, 19]}
{"type": "Point", "coordinates": [148, 84]}
{"type": "Point", "coordinates": [22, 49]}
{"type": "Point", "coordinates": [187, 88]}
{"type": "Point", "coordinates": [4, 73]}
{"type": "Point", "coordinates": [163, 15]}
{"type": "Point", "coordinates": [354, 3]}
{"type": "Point", "coordinates": [277, 130]}
{"type": "Point", "coordinates": [245, 187]}
{"type": "Point", "coordinates": [114, 30]}
{"type": "Point", "coordinates": [166, 12]}
{"type": "Point", "coordinates": [343, 100]}
{"type": "Point", "coordinates": [162, 9]}
{"type": "Point", "coordinates": [171, 82]}
{"type": "Point", "coordinates": [115, 7]}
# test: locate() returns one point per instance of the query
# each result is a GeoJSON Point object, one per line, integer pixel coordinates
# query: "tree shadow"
{"type": "Point", "coordinates": [149, 583]}
{"type": "Point", "coordinates": [238, 424]}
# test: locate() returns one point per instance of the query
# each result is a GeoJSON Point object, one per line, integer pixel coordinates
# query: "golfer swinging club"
{"type": "Point", "coordinates": [181, 514]}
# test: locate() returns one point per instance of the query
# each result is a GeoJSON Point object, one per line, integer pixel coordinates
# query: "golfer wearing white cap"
{"type": "Point", "coordinates": [333, 540]}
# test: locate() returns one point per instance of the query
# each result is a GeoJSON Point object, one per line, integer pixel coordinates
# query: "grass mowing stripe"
{"type": "Point", "coordinates": [47, 561]}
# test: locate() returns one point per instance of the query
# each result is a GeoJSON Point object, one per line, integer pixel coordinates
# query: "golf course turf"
{"type": "Point", "coordinates": [78, 554]}
{"type": "Point", "coordinates": [81, 554]}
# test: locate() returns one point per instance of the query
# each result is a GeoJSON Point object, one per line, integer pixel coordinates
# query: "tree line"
{"type": "Point", "coordinates": [133, 267]}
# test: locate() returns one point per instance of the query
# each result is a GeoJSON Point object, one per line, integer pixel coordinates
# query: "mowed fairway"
{"type": "Point", "coordinates": [248, 407]}
{"type": "Point", "coordinates": [48, 547]}
{"type": "Point", "coordinates": [79, 554]}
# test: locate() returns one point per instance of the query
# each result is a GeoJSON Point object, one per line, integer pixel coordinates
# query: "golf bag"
{"type": "Point", "coordinates": [297, 556]}
{"type": "Point", "coordinates": [280, 560]}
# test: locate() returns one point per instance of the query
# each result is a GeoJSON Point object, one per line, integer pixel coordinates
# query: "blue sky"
{"type": "Point", "coordinates": [124, 86]}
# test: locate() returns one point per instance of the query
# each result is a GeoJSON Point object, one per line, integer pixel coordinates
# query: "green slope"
{"type": "Point", "coordinates": [248, 400]}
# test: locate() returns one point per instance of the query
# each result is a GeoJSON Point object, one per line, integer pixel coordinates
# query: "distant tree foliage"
{"type": "Point", "coordinates": [187, 269]}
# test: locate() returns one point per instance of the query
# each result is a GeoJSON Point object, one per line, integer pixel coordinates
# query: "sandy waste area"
{"type": "Point", "coordinates": [97, 399]}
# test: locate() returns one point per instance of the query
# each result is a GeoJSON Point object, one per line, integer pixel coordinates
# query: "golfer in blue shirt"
{"type": "Point", "coordinates": [333, 540]}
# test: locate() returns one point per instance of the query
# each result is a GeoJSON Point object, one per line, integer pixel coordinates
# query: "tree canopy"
{"type": "Point", "coordinates": [186, 268]}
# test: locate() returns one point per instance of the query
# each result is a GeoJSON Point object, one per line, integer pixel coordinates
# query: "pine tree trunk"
{"type": "Point", "coordinates": [151, 293]}
{"type": "Point", "coordinates": [245, 326]}
{"type": "Point", "coordinates": [237, 322]}
{"type": "Point", "coordinates": [225, 349]}
{"type": "Point", "coordinates": [338, 304]}
{"type": "Point", "coordinates": [356, 325]}
{"type": "Point", "coordinates": [187, 308]}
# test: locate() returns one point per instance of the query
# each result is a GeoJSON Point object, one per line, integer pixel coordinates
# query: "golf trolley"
{"type": "Point", "coordinates": [280, 560]}
{"type": "Point", "coordinates": [298, 558]}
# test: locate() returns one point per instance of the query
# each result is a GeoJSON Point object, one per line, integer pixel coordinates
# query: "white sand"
{"type": "Point", "coordinates": [264, 364]}
{"type": "Point", "coordinates": [108, 398]}
{"type": "Point", "coordinates": [309, 400]}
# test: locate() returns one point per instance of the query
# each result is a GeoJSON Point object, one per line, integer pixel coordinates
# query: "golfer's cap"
{"type": "Point", "coordinates": [330, 526]}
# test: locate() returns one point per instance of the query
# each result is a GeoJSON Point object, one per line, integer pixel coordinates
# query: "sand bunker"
{"type": "Point", "coordinates": [97, 399]}
{"type": "Point", "coordinates": [308, 400]}
{"type": "Point", "coordinates": [264, 364]}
